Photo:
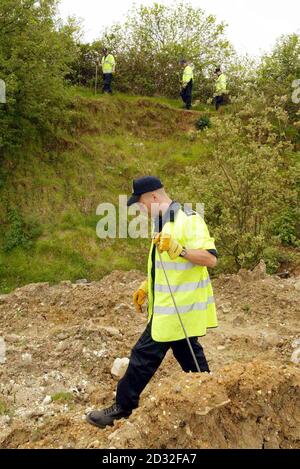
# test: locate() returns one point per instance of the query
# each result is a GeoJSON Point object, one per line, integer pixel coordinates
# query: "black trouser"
{"type": "Point", "coordinates": [107, 79]}
{"type": "Point", "coordinates": [219, 100]}
{"type": "Point", "coordinates": [186, 94]}
{"type": "Point", "coordinates": [146, 356]}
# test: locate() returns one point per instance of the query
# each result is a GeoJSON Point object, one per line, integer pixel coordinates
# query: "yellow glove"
{"type": "Point", "coordinates": [165, 242]}
{"type": "Point", "coordinates": [139, 296]}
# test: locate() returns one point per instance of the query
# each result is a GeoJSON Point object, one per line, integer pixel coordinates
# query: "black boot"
{"type": "Point", "coordinates": [104, 417]}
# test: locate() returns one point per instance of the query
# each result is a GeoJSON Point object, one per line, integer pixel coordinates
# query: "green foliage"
{"type": "Point", "coordinates": [146, 136]}
{"type": "Point", "coordinates": [203, 122]}
{"type": "Point", "coordinates": [83, 69]}
{"type": "Point", "coordinates": [20, 233]}
{"type": "Point", "coordinates": [152, 40]}
{"type": "Point", "coordinates": [287, 227]}
{"type": "Point", "coordinates": [244, 167]}
{"type": "Point", "coordinates": [250, 178]}
{"type": "Point", "coordinates": [279, 69]}
{"type": "Point", "coordinates": [62, 396]}
{"type": "Point", "coordinates": [275, 256]}
{"type": "Point", "coordinates": [63, 188]}
{"type": "Point", "coordinates": [35, 50]}
{"type": "Point", "coordinates": [3, 408]}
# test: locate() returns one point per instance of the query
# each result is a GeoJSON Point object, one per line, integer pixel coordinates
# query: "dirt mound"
{"type": "Point", "coordinates": [63, 339]}
{"type": "Point", "coordinates": [142, 117]}
{"type": "Point", "coordinates": [242, 406]}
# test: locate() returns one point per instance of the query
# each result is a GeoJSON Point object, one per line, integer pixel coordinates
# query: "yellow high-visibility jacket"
{"type": "Point", "coordinates": [108, 64]}
{"type": "Point", "coordinates": [190, 283]}
{"type": "Point", "coordinates": [188, 74]}
{"type": "Point", "coordinates": [221, 85]}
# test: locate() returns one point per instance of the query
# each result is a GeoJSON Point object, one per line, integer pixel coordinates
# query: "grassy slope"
{"type": "Point", "coordinates": [118, 138]}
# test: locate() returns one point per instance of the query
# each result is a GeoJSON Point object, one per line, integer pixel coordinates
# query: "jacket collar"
{"type": "Point", "coordinates": [169, 216]}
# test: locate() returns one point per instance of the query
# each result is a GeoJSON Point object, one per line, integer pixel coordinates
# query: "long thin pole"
{"type": "Point", "coordinates": [182, 325]}
{"type": "Point", "coordinates": [96, 77]}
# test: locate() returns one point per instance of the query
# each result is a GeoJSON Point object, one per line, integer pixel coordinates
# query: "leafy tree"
{"type": "Point", "coordinates": [250, 185]}
{"type": "Point", "coordinates": [35, 52]}
{"type": "Point", "coordinates": [82, 72]}
{"type": "Point", "coordinates": [279, 69]}
{"type": "Point", "coordinates": [153, 39]}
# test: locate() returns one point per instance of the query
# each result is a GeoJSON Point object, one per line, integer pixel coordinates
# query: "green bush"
{"type": "Point", "coordinates": [3, 408]}
{"type": "Point", "coordinates": [287, 227]}
{"type": "Point", "coordinates": [250, 177]}
{"type": "Point", "coordinates": [62, 396]}
{"type": "Point", "coordinates": [20, 232]}
{"type": "Point", "coordinates": [279, 69]}
{"type": "Point", "coordinates": [275, 256]}
{"type": "Point", "coordinates": [203, 122]}
{"type": "Point", "coordinates": [149, 44]}
{"type": "Point", "coordinates": [35, 52]}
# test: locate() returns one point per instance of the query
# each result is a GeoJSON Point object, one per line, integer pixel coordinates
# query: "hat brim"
{"type": "Point", "coordinates": [133, 199]}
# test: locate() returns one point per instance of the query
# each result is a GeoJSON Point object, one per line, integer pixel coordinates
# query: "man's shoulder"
{"type": "Point", "coordinates": [189, 212]}
{"type": "Point", "coordinates": [192, 225]}
{"type": "Point", "coordinates": [190, 216]}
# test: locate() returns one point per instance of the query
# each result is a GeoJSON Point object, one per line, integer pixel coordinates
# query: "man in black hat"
{"type": "Point", "coordinates": [151, 348]}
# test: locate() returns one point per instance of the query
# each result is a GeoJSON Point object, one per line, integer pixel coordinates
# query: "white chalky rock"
{"type": "Point", "coordinates": [296, 343]}
{"type": "Point", "coordinates": [4, 420]}
{"type": "Point", "coordinates": [99, 353]}
{"type": "Point", "coordinates": [119, 367]}
{"type": "Point", "coordinates": [295, 358]}
{"type": "Point", "coordinates": [221, 347]}
{"type": "Point", "coordinates": [47, 400]}
{"type": "Point", "coordinates": [26, 358]}
{"type": "Point", "coordinates": [2, 351]}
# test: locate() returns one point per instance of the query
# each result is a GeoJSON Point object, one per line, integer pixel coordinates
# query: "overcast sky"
{"type": "Point", "coordinates": [253, 25]}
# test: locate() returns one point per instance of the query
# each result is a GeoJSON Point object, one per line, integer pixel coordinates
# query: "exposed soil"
{"type": "Point", "coordinates": [62, 341]}
{"type": "Point", "coordinates": [141, 117]}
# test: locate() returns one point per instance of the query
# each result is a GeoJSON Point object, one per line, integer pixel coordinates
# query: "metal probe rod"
{"type": "Point", "coordinates": [182, 325]}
